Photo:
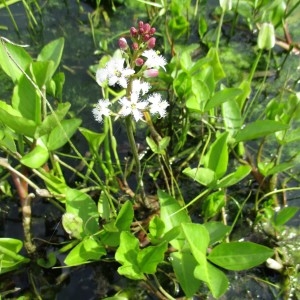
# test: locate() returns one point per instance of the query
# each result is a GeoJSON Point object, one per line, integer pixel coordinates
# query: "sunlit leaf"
{"type": "Point", "coordinates": [222, 96]}
{"type": "Point", "coordinates": [36, 158]}
{"type": "Point", "coordinates": [82, 205]}
{"type": "Point", "coordinates": [284, 215]}
{"type": "Point", "coordinates": [215, 278]}
{"type": "Point", "coordinates": [52, 52]}
{"type": "Point", "coordinates": [259, 128]}
{"type": "Point", "coordinates": [172, 215]}
{"type": "Point", "coordinates": [216, 158]}
{"type": "Point", "coordinates": [217, 231]}
{"type": "Point", "coordinates": [13, 59]}
{"type": "Point", "coordinates": [184, 265]}
{"type": "Point", "coordinates": [62, 133]}
{"type": "Point", "coordinates": [86, 251]}
{"type": "Point", "coordinates": [235, 177]}
{"type": "Point", "coordinates": [204, 176]}
{"type": "Point", "coordinates": [239, 256]}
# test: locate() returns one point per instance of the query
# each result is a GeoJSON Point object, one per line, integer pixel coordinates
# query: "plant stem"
{"type": "Point", "coordinates": [129, 129]}
{"type": "Point", "coordinates": [219, 29]}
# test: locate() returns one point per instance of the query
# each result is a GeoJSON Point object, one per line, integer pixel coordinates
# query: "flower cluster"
{"type": "Point", "coordinates": [138, 63]}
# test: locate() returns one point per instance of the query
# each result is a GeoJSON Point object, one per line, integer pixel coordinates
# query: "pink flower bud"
{"type": "Point", "coordinates": [135, 46]}
{"type": "Point", "coordinates": [152, 31]}
{"type": "Point", "coordinates": [123, 43]}
{"type": "Point", "coordinates": [139, 62]}
{"type": "Point", "coordinates": [141, 24]}
{"type": "Point", "coordinates": [146, 37]}
{"type": "Point", "coordinates": [133, 31]}
{"type": "Point", "coordinates": [146, 27]}
{"type": "Point", "coordinates": [151, 43]}
{"type": "Point", "coordinates": [150, 73]}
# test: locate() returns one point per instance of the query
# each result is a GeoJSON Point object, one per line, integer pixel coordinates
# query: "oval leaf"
{"type": "Point", "coordinates": [259, 128]}
{"type": "Point", "coordinates": [239, 256]}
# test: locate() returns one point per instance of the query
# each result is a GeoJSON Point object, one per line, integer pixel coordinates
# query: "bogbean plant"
{"type": "Point", "coordinates": [144, 221]}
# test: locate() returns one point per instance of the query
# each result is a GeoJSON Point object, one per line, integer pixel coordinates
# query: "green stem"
{"type": "Point", "coordinates": [219, 30]}
{"type": "Point", "coordinates": [131, 139]}
{"type": "Point", "coordinates": [255, 65]}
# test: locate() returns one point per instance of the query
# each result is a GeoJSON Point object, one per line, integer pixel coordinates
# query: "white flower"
{"type": "Point", "coordinates": [154, 60]}
{"type": "Point", "coordinates": [133, 106]}
{"type": "Point", "coordinates": [114, 72]}
{"type": "Point", "coordinates": [140, 87]}
{"type": "Point", "coordinates": [157, 105]}
{"type": "Point", "coordinates": [101, 110]}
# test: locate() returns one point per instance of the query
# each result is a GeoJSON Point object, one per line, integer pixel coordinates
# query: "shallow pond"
{"type": "Point", "coordinates": [97, 280]}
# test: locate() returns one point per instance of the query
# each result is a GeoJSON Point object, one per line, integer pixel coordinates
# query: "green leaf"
{"type": "Point", "coordinates": [36, 158]}
{"type": "Point", "coordinates": [62, 133]}
{"type": "Point", "coordinates": [235, 177]}
{"type": "Point", "coordinates": [217, 231]}
{"type": "Point", "coordinates": [232, 116]}
{"type": "Point", "coordinates": [183, 264]}
{"type": "Point", "coordinates": [284, 215]}
{"type": "Point", "coordinates": [215, 278]}
{"type": "Point", "coordinates": [47, 262]}
{"type": "Point", "coordinates": [197, 99]}
{"type": "Point", "coordinates": [41, 72]}
{"type": "Point", "coordinates": [259, 128]}
{"type": "Point", "coordinates": [73, 225]}
{"type": "Point", "coordinates": [51, 121]}
{"type": "Point", "coordinates": [172, 215]}
{"type": "Point", "coordinates": [198, 239]}
{"type": "Point", "coordinates": [182, 84]}
{"type": "Point", "coordinates": [29, 109]}
{"type": "Point", "coordinates": [239, 256]}
{"type": "Point", "coordinates": [127, 254]}
{"type": "Point", "coordinates": [87, 250]}
{"type": "Point", "coordinates": [215, 63]}
{"type": "Point", "coordinates": [204, 176]}
{"type": "Point", "coordinates": [82, 205]}
{"type": "Point", "coordinates": [52, 52]}
{"type": "Point", "coordinates": [10, 259]}
{"type": "Point", "coordinates": [213, 204]}
{"type": "Point", "coordinates": [125, 216]}
{"type": "Point", "coordinates": [94, 139]}
{"type": "Point", "coordinates": [156, 227]}
{"type": "Point", "coordinates": [216, 158]}
{"type": "Point", "coordinates": [148, 258]}
{"type": "Point", "coordinates": [221, 97]}
{"type": "Point", "coordinates": [13, 59]}
{"type": "Point", "coordinates": [12, 118]}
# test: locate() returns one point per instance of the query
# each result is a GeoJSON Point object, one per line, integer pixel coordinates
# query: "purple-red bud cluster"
{"type": "Point", "coordinates": [144, 33]}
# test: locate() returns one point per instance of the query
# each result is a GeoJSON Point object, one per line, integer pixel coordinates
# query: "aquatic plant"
{"type": "Point", "coordinates": [161, 211]}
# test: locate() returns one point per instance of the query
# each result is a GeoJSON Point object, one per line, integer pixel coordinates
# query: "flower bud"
{"type": "Point", "coordinates": [226, 4]}
{"type": "Point", "coordinates": [123, 43]}
{"type": "Point", "coordinates": [146, 37]}
{"type": "Point", "coordinates": [135, 46]}
{"type": "Point", "coordinates": [151, 43]}
{"type": "Point", "coordinates": [133, 31]}
{"type": "Point", "coordinates": [266, 36]}
{"type": "Point", "coordinates": [152, 31]}
{"type": "Point", "coordinates": [141, 24]}
{"type": "Point", "coordinates": [139, 61]}
{"type": "Point", "coordinates": [146, 27]}
{"type": "Point", "coordinates": [150, 73]}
